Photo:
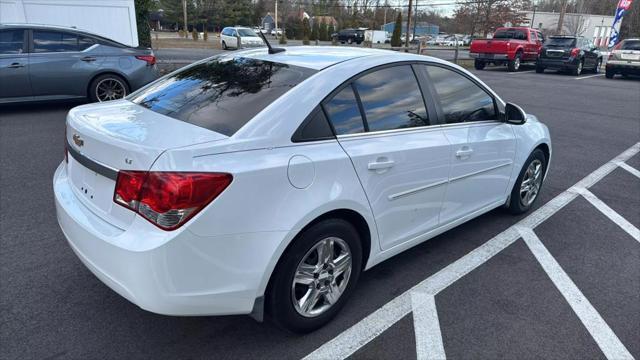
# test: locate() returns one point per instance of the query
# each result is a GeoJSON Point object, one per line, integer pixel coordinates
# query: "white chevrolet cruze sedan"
{"type": "Point", "coordinates": [255, 182]}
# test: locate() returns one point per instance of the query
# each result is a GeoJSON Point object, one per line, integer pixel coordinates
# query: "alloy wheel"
{"type": "Point", "coordinates": [321, 277]}
{"type": "Point", "coordinates": [531, 182]}
{"type": "Point", "coordinates": [110, 89]}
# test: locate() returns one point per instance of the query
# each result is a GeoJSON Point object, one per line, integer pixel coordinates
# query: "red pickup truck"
{"type": "Point", "coordinates": [510, 45]}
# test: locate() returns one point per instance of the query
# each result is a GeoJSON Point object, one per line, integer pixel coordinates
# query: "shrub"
{"type": "Point", "coordinates": [397, 32]}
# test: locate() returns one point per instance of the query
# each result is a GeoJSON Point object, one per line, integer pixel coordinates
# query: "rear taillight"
{"type": "Point", "coordinates": [168, 199]}
{"type": "Point", "coordinates": [150, 59]}
{"type": "Point", "coordinates": [575, 52]}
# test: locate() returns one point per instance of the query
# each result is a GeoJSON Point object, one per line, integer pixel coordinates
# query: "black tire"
{"type": "Point", "coordinates": [609, 74]}
{"type": "Point", "coordinates": [93, 87]}
{"type": "Point", "coordinates": [349, 41]}
{"type": "Point", "coordinates": [539, 69]}
{"type": "Point", "coordinates": [479, 64]}
{"type": "Point", "coordinates": [596, 69]}
{"type": "Point", "coordinates": [578, 69]}
{"type": "Point", "coordinates": [279, 303]}
{"type": "Point", "coordinates": [515, 204]}
{"type": "Point", "coordinates": [224, 46]}
{"type": "Point", "coordinates": [514, 65]}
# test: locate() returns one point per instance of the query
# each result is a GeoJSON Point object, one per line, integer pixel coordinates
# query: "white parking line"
{"type": "Point", "coordinates": [429, 345]}
{"type": "Point", "coordinates": [588, 77]}
{"type": "Point", "coordinates": [352, 339]}
{"type": "Point", "coordinates": [520, 72]}
{"type": "Point", "coordinates": [630, 169]}
{"type": "Point", "coordinates": [611, 214]}
{"type": "Point", "coordinates": [606, 339]}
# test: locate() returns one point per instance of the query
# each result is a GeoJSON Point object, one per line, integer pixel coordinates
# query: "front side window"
{"type": "Point", "coordinates": [392, 99]}
{"type": "Point", "coordinates": [54, 41]}
{"type": "Point", "coordinates": [11, 41]}
{"type": "Point", "coordinates": [221, 94]}
{"type": "Point", "coordinates": [344, 113]}
{"type": "Point", "coordinates": [460, 98]}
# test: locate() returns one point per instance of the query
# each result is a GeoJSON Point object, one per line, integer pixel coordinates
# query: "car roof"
{"type": "Point", "coordinates": [315, 57]}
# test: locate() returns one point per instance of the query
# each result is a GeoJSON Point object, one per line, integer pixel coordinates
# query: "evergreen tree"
{"type": "Point", "coordinates": [397, 32]}
{"type": "Point", "coordinates": [305, 31]}
{"type": "Point", "coordinates": [323, 31]}
{"type": "Point", "coordinates": [142, 21]}
{"type": "Point", "coordinates": [330, 30]}
{"type": "Point", "coordinates": [315, 30]}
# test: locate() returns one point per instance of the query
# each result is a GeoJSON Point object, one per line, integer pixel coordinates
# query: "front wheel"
{"type": "Point", "coordinates": [514, 65]}
{"type": "Point", "coordinates": [315, 276]}
{"type": "Point", "coordinates": [224, 46]}
{"type": "Point", "coordinates": [527, 188]}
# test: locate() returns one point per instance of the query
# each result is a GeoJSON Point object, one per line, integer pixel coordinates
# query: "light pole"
{"type": "Point", "coordinates": [533, 18]}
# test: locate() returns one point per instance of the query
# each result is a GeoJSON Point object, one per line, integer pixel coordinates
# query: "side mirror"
{"type": "Point", "coordinates": [513, 114]}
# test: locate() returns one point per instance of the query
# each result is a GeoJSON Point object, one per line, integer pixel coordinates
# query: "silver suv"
{"type": "Point", "coordinates": [50, 63]}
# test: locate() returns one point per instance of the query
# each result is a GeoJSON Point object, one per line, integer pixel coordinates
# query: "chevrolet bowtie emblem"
{"type": "Point", "coordinates": [78, 140]}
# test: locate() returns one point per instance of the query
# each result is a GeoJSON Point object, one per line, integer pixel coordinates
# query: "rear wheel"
{"type": "Point", "coordinates": [315, 276]}
{"type": "Point", "coordinates": [539, 69]}
{"type": "Point", "coordinates": [479, 64]}
{"type": "Point", "coordinates": [514, 65]}
{"type": "Point", "coordinates": [527, 187]}
{"type": "Point", "coordinates": [108, 87]}
{"type": "Point", "coordinates": [609, 74]}
{"type": "Point", "coordinates": [224, 46]}
{"type": "Point", "coordinates": [596, 69]}
{"type": "Point", "coordinates": [578, 69]}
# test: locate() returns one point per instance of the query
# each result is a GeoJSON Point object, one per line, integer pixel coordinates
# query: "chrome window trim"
{"type": "Point", "coordinates": [66, 52]}
{"type": "Point", "coordinates": [416, 129]}
{"type": "Point", "coordinates": [92, 164]}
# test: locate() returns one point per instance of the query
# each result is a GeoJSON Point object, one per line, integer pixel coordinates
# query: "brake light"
{"type": "Point", "coordinates": [150, 59]}
{"type": "Point", "coordinates": [575, 52]}
{"type": "Point", "coordinates": [168, 199]}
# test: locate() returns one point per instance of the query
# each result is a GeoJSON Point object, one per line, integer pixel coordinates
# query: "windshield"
{"type": "Point", "coordinates": [247, 33]}
{"type": "Point", "coordinates": [561, 41]}
{"type": "Point", "coordinates": [221, 94]}
{"type": "Point", "coordinates": [631, 45]}
{"type": "Point", "coordinates": [510, 34]}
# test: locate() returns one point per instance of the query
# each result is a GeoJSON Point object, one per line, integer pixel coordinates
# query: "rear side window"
{"type": "Point", "coordinates": [11, 41]}
{"type": "Point", "coordinates": [391, 99]}
{"type": "Point", "coordinates": [344, 113]}
{"type": "Point", "coordinates": [460, 98]}
{"type": "Point", "coordinates": [54, 41]}
{"type": "Point", "coordinates": [222, 94]}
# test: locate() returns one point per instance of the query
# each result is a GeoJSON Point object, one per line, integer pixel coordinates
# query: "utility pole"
{"type": "Point", "coordinates": [563, 10]}
{"type": "Point", "coordinates": [415, 21]}
{"type": "Point", "coordinates": [276, 2]}
{"type": "Point", "coordinates": [406, 38]}
{"type": "Point", "coordinates": [184, 13]}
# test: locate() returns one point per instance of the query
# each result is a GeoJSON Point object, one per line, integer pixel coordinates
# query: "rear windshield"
{"type": "Point", "coordinates": [510, 34]}
{"type": "Point", "coordinates": [631, 45]}
{"type": "Point", "coordinates": [561, 41]}
{"type": "Point", "coordinates": [222, 94]}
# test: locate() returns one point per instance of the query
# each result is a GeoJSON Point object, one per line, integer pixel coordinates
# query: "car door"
{"type": "Point", "coordinates": [61, 63]}
{"type": "Point", "coordinates": [482, 147]}
{"type": "Point", "coordinates": [401, 159]}
{"type": "Point", "coordinates": [14, 65]}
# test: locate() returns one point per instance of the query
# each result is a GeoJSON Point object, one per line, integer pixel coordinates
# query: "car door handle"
{"type": "Point", "coordinates": [15, 65]}
{"type": "Point", "coordinates": [464, 152]}
{"type": "Point", "coordinates": [381, 164]}
{"type": "Point", "coordinates": [88, 58]}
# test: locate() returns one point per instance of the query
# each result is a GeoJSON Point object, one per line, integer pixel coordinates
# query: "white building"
{"type": "Point", "coordinates": [596, 27]}
{"type": "Point", "coordinates": [113, 19]}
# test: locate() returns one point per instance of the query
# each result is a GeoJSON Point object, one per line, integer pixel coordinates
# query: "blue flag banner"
{"type": "Point", "coordinates": [623, 7]}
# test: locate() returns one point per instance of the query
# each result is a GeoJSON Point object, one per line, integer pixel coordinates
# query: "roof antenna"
{"type": "Point", "coordinates": [272, 50]}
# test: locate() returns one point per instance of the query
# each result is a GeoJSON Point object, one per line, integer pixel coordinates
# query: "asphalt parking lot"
{"type": "Point", "coordinates": [563, 283]}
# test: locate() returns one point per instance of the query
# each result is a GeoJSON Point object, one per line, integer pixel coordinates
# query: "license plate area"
{"type": "Point", "coordinates": [630, 57]}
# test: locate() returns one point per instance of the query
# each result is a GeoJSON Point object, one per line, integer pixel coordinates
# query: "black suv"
{"type": "Point", "coordinates": [349, 36]}
{"type": "Point", "coordinates": [574, 53]}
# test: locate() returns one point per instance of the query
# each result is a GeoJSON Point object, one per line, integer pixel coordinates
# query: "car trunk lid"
{"type": "Point", "coordinates": [119, 135]}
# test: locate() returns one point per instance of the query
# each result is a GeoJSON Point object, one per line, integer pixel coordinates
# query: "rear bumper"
{"type": "Point", "coordinates": [489, 57]}
{"type": "Point", "coordinates": [170, 273]}
{"type": "Point", "coordinates": [558, 63]}
{"type": "Point", "coordinates": [624, 67]}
